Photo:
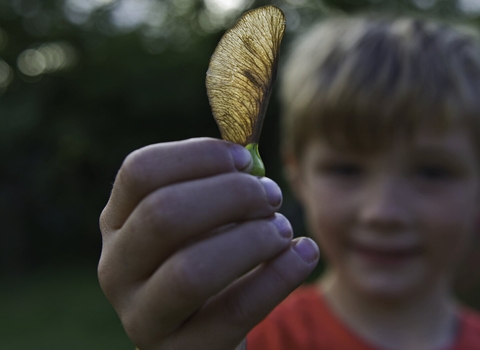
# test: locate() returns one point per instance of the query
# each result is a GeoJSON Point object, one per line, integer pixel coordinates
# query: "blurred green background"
{"type": "Point", "coordinates": [82, 84]}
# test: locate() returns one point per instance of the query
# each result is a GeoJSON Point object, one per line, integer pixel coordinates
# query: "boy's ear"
{"type": "Point", "coordinates": [293, 174]}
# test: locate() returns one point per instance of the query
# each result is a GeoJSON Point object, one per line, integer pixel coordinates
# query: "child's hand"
{"type": "Point", "coordinates": [183, 234]}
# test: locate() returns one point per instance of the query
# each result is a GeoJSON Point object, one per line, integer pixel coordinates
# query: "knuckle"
{"type": "Point", "coordinates": [133, 170]}
{"type": "Point", "coordinates": [243, 186]}
{"type": "Point", "coordinates": [264, 240]}
{"type": "Point", "coordinates": [137, 324]}
{"type": "Point", "coordinates": [159, 209]}
{"type": "Point", "coordinates": [106, 280]}
{"type": "Point", "coordinates": [136, 321]}
{"type": "Point", "coordinates": [266, 229]}
{"type": "Point", "coordinates": [265, 234]}
{"type": "Point", "coordinates": [259, 232]}
{"type": "Point", "coordinates": [132, 324]}
{"type": "Point", "coordinates": [104, 223]}
{"type": "Point", "coordinates": [189, 279]}
{"type": "Point", "coordinates": [239, 312]}
{"type": "Point", "coordinates": [249, 191]}
{"type": "Point", "coordinates": [207, 142]}
{"type": "Point", "coordinates": [213, 152]}
{"type": "Point", "coordinates": [103, 273]}
{"type": "Point", "coordinates": [280, 279]}
{"type": "Point", "coordinates": [210, 144]}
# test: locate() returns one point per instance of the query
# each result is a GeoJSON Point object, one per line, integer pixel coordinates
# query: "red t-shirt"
{"type": "Point", "coordinates": [304, 322]}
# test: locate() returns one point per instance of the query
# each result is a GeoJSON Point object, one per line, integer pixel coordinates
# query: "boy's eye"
{"type": "Point", "coordinates": [344, 169]}
{"type": "Point", "coordinates": [434, 172]}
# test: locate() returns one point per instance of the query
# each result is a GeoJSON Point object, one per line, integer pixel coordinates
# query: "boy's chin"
{"type": "Point", "coordinates": [386, 291]}
{"type": "Point", "coordinates": [388, 283]}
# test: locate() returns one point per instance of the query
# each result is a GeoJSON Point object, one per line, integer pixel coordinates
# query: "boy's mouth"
{"type": "Point", "coordinates": [386, 254]}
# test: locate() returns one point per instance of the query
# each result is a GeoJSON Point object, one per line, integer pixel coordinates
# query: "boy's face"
{"type": "Point", "coordinates": [392, 224]}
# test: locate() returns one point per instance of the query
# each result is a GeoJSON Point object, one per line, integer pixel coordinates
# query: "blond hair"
{"type": "Point", "coordinates": [360, 81]}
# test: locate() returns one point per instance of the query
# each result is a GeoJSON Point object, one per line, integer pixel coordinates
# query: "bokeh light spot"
{"type": "Point", "coordinates": [31, 62]}
{"type": "Point", "coordinates": [87, 6]}
{"type": "Point", "coordinates": [6, 75]}
{"type": "Point", "coordinates": [3, 39]}
{"type": "Point", "coordinates": [183, 7]}
{"type": "Point", "coordinates": [48, 58]}
{"type": "Point", "coordinates": [225, 7]}
{"type": "Point", "coordinates": [132, 13]}
{"type": "Point", "coordinates": [78, 11]}
{"type": "Point", "coordinates": [425, 4]}
{"type": "Point", "coordinates": [26, 8]}
{"type": "Point", "coordinates": [471, 7]}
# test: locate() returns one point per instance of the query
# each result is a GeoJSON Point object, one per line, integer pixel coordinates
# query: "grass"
{"type": "Point", "coordinates": [58, 309]}
{"type": "Point", "coordinates": [64, 309]}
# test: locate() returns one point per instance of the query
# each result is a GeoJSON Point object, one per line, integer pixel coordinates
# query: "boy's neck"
{"type": "Point", "coordinates": [427, 321]}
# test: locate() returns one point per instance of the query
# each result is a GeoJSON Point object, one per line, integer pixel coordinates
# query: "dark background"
{"type": "Point", "coordinates": [82, 84]}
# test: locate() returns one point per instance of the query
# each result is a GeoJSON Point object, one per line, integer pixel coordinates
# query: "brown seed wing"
{"type": "Point", "coordinates": [242, 71]}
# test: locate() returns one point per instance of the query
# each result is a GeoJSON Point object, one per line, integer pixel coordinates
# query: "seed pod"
{"type": "Point", "coordinates": [241, 74]}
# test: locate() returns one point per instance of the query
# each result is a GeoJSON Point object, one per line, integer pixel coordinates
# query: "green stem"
{"type": "Point", "coordinates": [258, 167]}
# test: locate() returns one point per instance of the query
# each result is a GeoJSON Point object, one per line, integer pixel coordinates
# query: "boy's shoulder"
{"type": "Point", "coordinates": [303, 321]}
{"type": "Point", "coordinates": [469, 337]}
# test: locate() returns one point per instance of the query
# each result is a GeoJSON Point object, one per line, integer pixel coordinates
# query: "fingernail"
{"type": "Point", "coordinates": [241, 157]}
{"type": "Point", "coordinates": [274, 193]}
{"type": "Point", "coordinates": [283, 226]}
{"type": "Point", "coordinates": [306, 249]}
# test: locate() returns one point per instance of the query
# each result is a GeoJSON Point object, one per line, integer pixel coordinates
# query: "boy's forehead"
{"type": "Point", "coordinates": [427, 138]}
{"type": "Point", "coordinates": [458, 140]}
{"type": "Point", "coordinates": [359, 82]}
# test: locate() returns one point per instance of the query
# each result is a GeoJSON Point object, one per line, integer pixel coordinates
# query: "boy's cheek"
{"type": "Point", "coordinates": [295, 175]}
{"type": "Point", "coordinates": [446, 245]}
{"type": "Point", "coordinates": [454, 246]}
{"type": "Point", "coordinates": [324, 229]}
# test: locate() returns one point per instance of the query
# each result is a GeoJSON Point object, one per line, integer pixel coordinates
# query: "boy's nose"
{"type": "Point", "coordinates": [384, 206]}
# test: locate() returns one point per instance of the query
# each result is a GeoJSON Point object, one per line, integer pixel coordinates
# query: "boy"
{"type": "Point", "coordinates": [381, 146]}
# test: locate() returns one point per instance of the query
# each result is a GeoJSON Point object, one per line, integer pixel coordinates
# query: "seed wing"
{"type": "Point", "coordinates": [242, 71]}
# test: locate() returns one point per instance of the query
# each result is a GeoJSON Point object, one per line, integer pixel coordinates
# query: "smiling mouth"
{"type": "Point", "coordinates": [387, 255]}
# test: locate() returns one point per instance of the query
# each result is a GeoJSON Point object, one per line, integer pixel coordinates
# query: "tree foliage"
{"type": "Point", "coordinates": [85, 82]}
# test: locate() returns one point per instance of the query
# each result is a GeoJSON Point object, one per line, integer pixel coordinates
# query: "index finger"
{"type": "Point", "coordinates": [155, 166]}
